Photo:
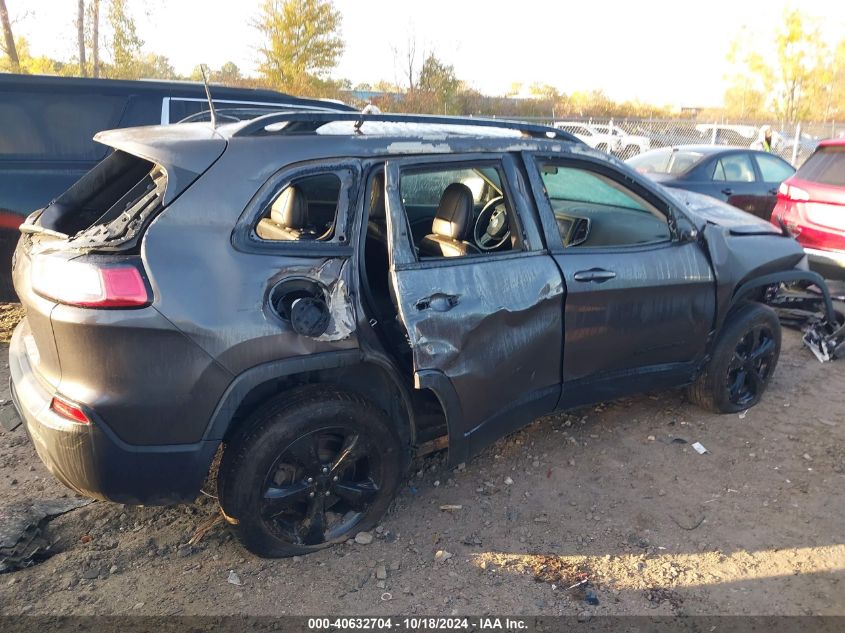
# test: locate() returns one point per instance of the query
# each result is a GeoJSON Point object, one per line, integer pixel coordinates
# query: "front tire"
{"type": "Point", "coordinates": [311, 468]}
{"type": "Point", "coordinates": [743, 361]}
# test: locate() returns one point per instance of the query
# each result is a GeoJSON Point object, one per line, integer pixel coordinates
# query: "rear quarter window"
{"type": "Point", "coordinates": [825, 166]}
{"type": "Point", "coordinates": [47, 126]}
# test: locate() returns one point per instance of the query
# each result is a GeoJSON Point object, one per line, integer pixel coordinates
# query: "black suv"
{"type": "Point", "coordinates": [322, 294]}
{"type": "Point", "coordinates": [48, 124]}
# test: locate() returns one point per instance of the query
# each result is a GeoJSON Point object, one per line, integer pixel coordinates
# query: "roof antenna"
{"type": "Point", "coordinates": [212, 112]}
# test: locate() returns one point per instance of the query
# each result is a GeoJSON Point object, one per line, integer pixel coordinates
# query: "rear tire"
{"type": "Point", "coordinates": [743, 361]}
{"type": "Point", "coordinates": [311, 468]}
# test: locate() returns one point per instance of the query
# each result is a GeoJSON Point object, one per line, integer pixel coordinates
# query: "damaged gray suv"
{"type": "Point", "coordinates": [323, 295]}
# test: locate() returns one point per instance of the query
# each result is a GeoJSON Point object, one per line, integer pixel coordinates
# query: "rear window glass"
{"type": "Point", "coordinates": [665, 161]}
{"type": "Point", "coordinates": [825, 166]}
{"type": "Point", "coordinates": [56, 126]}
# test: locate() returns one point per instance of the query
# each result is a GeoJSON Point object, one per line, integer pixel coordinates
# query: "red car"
{"type": "Point", "coordinates": [811, 204]}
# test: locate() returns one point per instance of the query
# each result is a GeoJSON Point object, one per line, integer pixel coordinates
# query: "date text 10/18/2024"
{"type": "Point", "coordinates": [418, 624]}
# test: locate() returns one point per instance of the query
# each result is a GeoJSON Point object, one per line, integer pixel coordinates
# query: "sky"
{"type": "Point", "coordinates": [662, 52]}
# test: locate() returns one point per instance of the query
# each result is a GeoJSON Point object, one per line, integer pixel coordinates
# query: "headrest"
{"type": "Point", "coordinates": [290, 209]}
{"type": "Point", "coordinates": [454, 212]}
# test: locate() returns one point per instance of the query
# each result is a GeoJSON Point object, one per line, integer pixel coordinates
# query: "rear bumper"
{"type": "Point", "coordinates": [829, 264]}
{"type": "Point", "coordinates": [91, 459]}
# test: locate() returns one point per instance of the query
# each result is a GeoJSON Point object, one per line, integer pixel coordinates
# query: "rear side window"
{"type": "Point", "coordinates": [303, 211]}
{"type": "Point", "coordinates": [825, 166]}
{"type": "Point", "coordinates": [49, 126]}
{"type": "Point", "coordinates": [772, 168]}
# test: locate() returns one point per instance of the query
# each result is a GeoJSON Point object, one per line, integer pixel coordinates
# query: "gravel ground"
{"type": "Point", "coordinates": [614, 495]}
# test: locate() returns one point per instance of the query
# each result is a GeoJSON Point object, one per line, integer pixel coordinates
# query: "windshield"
{"type": "Point", "coordinates": [665, 161]}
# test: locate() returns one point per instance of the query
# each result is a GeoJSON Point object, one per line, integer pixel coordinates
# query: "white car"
{"type": "Point", "coordinates": [628, 144]}
{"type": "Point", "coordinates": [603, 142]}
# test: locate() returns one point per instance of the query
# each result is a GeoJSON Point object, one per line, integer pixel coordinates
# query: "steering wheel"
{"type": "Point", "coordinates": [491, 228]}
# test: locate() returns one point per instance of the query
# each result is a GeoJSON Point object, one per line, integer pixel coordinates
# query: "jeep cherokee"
{"type": "Point", "coordinates": [320, 294]}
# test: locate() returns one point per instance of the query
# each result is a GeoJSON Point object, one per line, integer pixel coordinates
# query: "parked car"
{"type": "Point", "coordinates": [807, 144]}
{"type": "Point", "coordinates": [323, 293]}
{"type": "Point", "coordinates": [48, 124]}
{"type": "Point", "coordinates": [671, 134]}
{"type": "Point", "coordinates": [627, 144]}
{"type": "Point", "coordinates": [746, 179]}
{"type": "Point", "coordinates": [602, 141]}
{"type": "Point", "coordinates": [811, 204]}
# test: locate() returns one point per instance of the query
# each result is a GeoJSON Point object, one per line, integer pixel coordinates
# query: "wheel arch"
{"type": "Point", "coordinates": [755, 289]}
{"type": "Point", "coordinates": [367, 377]}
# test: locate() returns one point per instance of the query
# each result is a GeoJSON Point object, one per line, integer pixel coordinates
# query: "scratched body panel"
{"type": "Point", "coordinates": [658, 309]}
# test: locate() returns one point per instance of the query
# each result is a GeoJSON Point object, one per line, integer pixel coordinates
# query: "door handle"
{"type": "Point", "coordinates": [439, 302]}
{"type": "Point", "coordinates": [727, 191]}
{"type": "Point", "coordinates": [773, 191]}
{"type": "Point", "coordinates": [598, 275]}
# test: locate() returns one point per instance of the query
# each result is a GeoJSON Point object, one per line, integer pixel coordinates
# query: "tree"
{"type": "Point", "coordinates": [94, 21]}
{"type": "Point", "coordinates": [229, 73]}
{"type": "Point", "coordinates": [302, 43]}
{"type": "Point", "coordinates": [152, 66]}
{"type": "Point", "coordinates": [793, 83]}
{"type": "Point", "coordinates": [9, 46]}
{"type": "Point", "coordinates": [125, 43]}
{"type": "Point", "coordinates": [80, 36]}
{"type": "Point", "coordinates": [29, 65]}
{"type": "Point", "coordinates": [438, 82]}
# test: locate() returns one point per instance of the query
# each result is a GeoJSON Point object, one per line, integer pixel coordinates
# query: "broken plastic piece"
{"type": "Point", "coordinates": [699, 448]}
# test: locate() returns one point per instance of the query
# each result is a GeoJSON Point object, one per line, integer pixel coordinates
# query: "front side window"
{"type": "Point", "coordinates": [593, 210]}
{"type": "Point", "coordinates": [734, 168]}
{"type": "Point", "coordinates": [460, 212]}
{"type": "Point", "coordinates": [304, 210]}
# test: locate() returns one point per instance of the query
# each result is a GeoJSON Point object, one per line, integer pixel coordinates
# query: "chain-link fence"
{"type": "Point", "coordinates": [626, 137]}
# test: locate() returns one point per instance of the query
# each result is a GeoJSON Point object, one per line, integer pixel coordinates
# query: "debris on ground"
{"type": "Point", "coordinates": [22, 539]}
{"type": "Point", "coordinates": [442, 555]}
{"type": "Point", "coordinates": [699, 448]}
{"type": "Point", "coordinates": [451, 507]}
{"type": "Point", "coordinates": [205, 528]}
{"type": "Point", "coordinates": [364, 538]}
{"type": "Point", "coordinates": [234, 579]}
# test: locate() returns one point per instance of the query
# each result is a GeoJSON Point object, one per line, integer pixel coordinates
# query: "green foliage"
{"type": "Point", "coordinates": [302, 44]}
{"type": "Point", "coordinates": [30, 65]}
{"type": "Point", "coordinates": [791, 74]}
{"type": "Point", "coordinates": [125, 45]}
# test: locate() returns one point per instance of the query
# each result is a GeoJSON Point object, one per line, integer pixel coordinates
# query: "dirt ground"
{"type": "Point", "coordinates": [613, 494]}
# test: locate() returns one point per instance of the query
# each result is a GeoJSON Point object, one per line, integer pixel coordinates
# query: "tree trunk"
{"type": "Point", "coordinates": [80, 33]}
{"type": "Point", "coordinates": [11, 51]}
{"type": "Point", "coordinates": [95, 37]}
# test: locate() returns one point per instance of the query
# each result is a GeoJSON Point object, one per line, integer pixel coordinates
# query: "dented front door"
{"type": "Point", "coordinates": [485, 330]}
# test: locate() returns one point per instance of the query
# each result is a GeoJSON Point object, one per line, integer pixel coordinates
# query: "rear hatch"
{"type": "Point", "coordinates": [812, 202]}
{"type": "Point", "coordinates": [84, 248]}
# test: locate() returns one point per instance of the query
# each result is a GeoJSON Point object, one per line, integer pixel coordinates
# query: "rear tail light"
{"type": "Point", "coordinates": [791, 192]}
{"type": "Point", "coordinates": [89, 284]}
{"type": "Point", "coordinates": [68, 410]}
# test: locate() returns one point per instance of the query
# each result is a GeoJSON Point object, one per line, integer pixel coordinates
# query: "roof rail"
{"type": "Point", "coordinates": [308, 123]}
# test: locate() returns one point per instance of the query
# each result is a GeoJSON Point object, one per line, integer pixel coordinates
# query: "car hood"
{"type": "Point", "coordinates": [703, 210]}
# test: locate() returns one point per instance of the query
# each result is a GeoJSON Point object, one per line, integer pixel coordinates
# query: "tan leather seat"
{"type": "Point", "coordinates": [451, 224]}
{"type": "Point", "coordinates": [288, 218]}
